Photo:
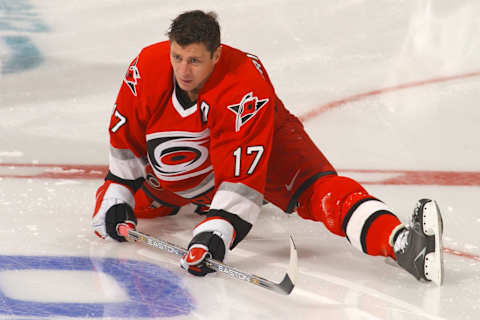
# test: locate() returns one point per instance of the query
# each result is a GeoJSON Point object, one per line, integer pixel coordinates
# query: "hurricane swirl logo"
{"type": "Point", "coordinates": [178, 155]}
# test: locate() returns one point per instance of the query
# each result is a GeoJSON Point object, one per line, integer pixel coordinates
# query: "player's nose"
{"type": "Point", "coordinates": [183, 68]}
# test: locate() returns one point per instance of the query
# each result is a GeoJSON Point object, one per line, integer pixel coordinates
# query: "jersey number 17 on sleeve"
{"type": "Point", "coordinates": [121, 121]}
{"type": "Point", "coordinates": [258, 150]}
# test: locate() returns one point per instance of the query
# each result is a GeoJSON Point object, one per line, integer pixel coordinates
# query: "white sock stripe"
{"type": "Point", "coordinates": [358, 219]}
{"type": "Point", "coordinates": [391, 241]}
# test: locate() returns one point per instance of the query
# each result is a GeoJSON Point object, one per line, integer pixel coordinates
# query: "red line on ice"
{"type": "Point", "coordinates": [411, 177]}
{"type": "Point", "coordinates": [52, 171]}
{"type": "Point", "coordinates": [462, 254]}
{"type": "Point", "coordinates": [337, 103]}
{"type": "Point", "coordinates": [81, 171]}
{"type": "Point", "coordinates": [383, 177]}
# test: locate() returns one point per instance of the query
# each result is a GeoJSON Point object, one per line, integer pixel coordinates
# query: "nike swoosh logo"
{"type": "Point", "coordinates": [290, 185]}
{"type": "Point", "coordinates": [191, 256]}
{"type": "Point", "coordinates": [421, 254]}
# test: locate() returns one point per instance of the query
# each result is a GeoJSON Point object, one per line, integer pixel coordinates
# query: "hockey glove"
{"type": "Point", "coordinates": [203, 245]}
{"type": "Point", "coordinates": [117, 215]}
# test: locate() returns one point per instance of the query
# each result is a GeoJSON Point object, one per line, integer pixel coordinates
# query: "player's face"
{"type": "Point", "coordinates": [192, 65]}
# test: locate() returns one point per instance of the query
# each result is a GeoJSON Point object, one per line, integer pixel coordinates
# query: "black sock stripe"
{"type": "Point", "coordinates": [293, 201]}
{"type": "Point", "coordinates": [368, 223]}
{"type": "Point", "coordinates": [395, 236]}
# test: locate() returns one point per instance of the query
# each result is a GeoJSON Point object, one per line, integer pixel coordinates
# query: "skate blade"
{"type": "Point", "coordinates": [433, 225]}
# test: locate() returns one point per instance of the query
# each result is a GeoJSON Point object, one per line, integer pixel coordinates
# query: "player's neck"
{"type": "Point", "coordinates": [185, 99]}
{"type": "Point", "coordinates": [192, 95]}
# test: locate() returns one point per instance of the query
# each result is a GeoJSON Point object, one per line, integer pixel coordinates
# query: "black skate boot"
{"type": "Point", "coordinates": [418, 247]}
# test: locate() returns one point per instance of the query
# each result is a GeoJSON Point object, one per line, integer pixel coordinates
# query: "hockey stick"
{"type": "Point", "coordinates": [283, 287]}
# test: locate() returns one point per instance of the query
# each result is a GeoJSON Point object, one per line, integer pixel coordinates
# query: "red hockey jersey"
{"type": "Point", "coordinates": [218, 147]}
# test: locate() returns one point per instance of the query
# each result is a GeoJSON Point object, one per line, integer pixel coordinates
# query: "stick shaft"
{"type": "Point", "coordinates": [284, 287]}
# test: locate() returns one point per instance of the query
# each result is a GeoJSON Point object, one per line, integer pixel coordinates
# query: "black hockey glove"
{"type": "Point", "coordinates": [203, 245]}
{"type": "Point", "coordinates": [119, 214]}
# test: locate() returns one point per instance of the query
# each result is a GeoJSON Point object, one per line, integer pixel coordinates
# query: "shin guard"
{"type": "Point", "coordinates": [348, 210]}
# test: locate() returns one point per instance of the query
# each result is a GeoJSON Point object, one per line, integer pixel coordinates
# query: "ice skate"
{"type": "Point", "coordinates": [418, 247]}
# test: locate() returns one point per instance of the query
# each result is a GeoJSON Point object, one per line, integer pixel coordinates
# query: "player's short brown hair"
{"type": "Point", "coordinates": [194, 27]}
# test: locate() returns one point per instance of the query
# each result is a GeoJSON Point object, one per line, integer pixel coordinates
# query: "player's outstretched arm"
{"type": "Point", "coordinates": [113, 208]}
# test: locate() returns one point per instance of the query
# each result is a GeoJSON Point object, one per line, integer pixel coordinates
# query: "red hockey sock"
{"type": "Point", "coordinates": [377, 239]}
{"type": "Point", "coordinates": [347, 209]}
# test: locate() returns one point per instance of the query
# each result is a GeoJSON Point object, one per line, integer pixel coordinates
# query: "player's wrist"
{"type": "Point", "coordinates": [118, 214]}
{"type": "Point", "coordinates": [220, 227]}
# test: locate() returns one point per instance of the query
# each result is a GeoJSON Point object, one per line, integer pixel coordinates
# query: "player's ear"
{"type": "Point", "coordinates": [217, 53]}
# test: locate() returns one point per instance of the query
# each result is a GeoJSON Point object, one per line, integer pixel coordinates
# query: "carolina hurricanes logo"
{"type": "Point", "coordinates": [246, 109]}
{"type": "Point", "coordinates": [131, 76]}
{"type": "Point", "coordinates": [178, 155]}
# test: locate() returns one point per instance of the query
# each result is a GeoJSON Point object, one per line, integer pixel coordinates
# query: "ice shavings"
{"type": "Point", "coordinates": [61, 170]}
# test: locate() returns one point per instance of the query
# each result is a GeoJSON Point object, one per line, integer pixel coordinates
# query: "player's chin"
{"type": "Point", "coordinates": [186, 85]}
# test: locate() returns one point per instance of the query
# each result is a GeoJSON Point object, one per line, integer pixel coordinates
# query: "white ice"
{"type": "Point", "coordinates": [55, 112]}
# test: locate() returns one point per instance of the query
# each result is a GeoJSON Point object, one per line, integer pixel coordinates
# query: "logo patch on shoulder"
{"type": "Point", "coordinates": [131, 76]}
{"type": "Point", "coordinates": [246, 109]}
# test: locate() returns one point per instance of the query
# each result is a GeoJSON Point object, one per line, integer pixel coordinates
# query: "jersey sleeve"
{"type": "Point", "coordinates": [241, 142]}
{"type": "Point", "coordinates": [127, 130]}
{"type": "Point", "coordinates": [126, 162]}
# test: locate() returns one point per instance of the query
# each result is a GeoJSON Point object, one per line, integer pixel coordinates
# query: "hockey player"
{"type": "Point", "coordinates": [197, 121]}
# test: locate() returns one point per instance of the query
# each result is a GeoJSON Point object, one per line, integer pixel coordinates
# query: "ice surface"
{"type": "Point", "coordinates": [388, 90]}
{"type": "Point", "coordinates": [64, 286]}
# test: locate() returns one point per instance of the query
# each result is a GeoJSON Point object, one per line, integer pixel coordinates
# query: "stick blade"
{"type": "Point", "coordinates": [288, 282]}
{"type": "Point", "coordinates": [293, 265]}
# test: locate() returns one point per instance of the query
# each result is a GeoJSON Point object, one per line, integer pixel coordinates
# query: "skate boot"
{"type": "Point", "coordinates": [418, 247]}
